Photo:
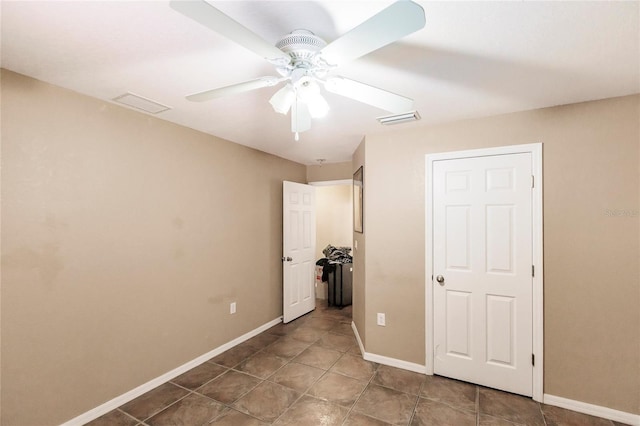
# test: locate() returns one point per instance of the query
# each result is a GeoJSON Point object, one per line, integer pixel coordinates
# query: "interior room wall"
{"type": "Point", "coordinates": [334, 217]}
{"type": "Point", "coordinates": [591, 245]}
{"type": "Point", "coordinates": [329, 172]}
{"type": "Point", "coordinates": [124, 239]}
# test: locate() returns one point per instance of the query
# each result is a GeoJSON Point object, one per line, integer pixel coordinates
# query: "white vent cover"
{"type": "Point", "coordinates": [138, 102]}
{"type": "Point", "coordinates": [399, 118]}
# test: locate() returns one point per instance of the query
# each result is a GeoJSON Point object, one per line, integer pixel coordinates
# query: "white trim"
{"type": "Point", "coordinates": [151, 384]}
{"type": "Point", "coordinates": [392, 362]}
{"type": "Point", "coordinates": [360, 345]}
{"type": "Point", "coordinates": [593, 410]}
{"type": "Point", "coordinates": [332, 182]}
{"type": "Point", "coordinates": [538, 285]}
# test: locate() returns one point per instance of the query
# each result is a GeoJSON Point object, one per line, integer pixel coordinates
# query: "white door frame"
{"type": "Point", "coordinates": [535, 150]}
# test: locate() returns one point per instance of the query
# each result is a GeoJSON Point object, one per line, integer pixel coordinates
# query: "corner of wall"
{"type": "Point", "coordinates": [359, 254]}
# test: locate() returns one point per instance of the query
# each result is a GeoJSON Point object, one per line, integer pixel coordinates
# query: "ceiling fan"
{"type": "Point", "coordinates": [306, 62]}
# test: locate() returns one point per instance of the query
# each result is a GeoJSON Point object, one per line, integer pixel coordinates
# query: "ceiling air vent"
{"type": "Point", "coordinates": [143, 104]}
{"type": "Point", "coordinates": [399, 118]}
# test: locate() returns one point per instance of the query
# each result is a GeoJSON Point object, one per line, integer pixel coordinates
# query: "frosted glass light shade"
{"type": "Point", "coordinates": [281, 101]}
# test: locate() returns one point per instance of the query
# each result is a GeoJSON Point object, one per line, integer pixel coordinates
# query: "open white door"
{"type": "Point", "coordinates": [298, 249]}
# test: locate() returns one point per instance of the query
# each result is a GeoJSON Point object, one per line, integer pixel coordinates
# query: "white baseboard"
{"type": "Point", "coordinates": [592, 410]}
{"type": "Point", "coordinates": [355, 331]}
{"type": "Point", "coordinates": [152, 384]}
{"type": "Point", "coordinates": [392, 362]}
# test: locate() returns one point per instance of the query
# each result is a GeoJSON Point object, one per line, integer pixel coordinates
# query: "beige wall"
{"type": "Point", "coordinates": [592, 282]}
{"type": "Point", "coordinates": [328, 172]}
{"type": "Point", "coordinates": [124, 239]}
{"type": "Point", "coordinates": [359, 253]}
{"type": "Point", "coordinates": [334, 217]}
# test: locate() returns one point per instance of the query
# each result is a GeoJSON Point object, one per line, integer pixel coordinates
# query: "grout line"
{"type": "Point", "coordinates": [360, 396]}
{"type": "Point", "coordinates": [415, 406]}
{"type": "Point", "coordinates": [128, 415]}
{"type": "Point", "coordinates": [544, 419]}
{"type": "Point", "coordinates": [477, 405]}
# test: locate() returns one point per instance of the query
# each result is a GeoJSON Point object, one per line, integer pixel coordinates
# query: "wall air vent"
{"type": "Point", "coordinates": [143, 104]}
{"type": "Point", "coordinates": [399, 118]}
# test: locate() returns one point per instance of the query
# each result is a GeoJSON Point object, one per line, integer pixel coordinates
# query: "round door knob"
{"type": "Point", "coordinates": [440, 279]}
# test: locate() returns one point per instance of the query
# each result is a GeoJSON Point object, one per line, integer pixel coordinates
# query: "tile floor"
{"type": "Point", "coordinates": [310, 372]}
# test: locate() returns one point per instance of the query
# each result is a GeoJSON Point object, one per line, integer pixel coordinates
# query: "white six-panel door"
{"type": "Point", "coordinates": [482, 267]}
{"type": "Point", "coordinates": [298, 252]}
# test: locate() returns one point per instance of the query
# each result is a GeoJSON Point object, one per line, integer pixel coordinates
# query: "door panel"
{"type": "Point", "coordinates": [500, 339]}
{"type": "Point", "coordinates": [482, 247]}
{"type": "Point", "coordinates": [458, 323]}
{"type": "Point", "coordinates": [298, 252]}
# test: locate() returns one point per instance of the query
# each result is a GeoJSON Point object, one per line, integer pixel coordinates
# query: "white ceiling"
{"type": "Point", "coordinates": [472, 59]}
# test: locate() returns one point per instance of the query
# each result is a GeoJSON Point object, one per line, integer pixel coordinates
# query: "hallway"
{"type": "Point", "coordinates": [310, 372]}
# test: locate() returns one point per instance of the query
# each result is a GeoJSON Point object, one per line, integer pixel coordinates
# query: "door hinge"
{"type": "Point", "coordinates": [533, 271]}
{"type": "Point", "coordinates": [533, 360]}
{"type": "Point", "coordinates": [533, 181]}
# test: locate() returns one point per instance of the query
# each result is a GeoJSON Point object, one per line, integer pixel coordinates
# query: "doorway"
{"type": "Point", "coordinates": [484, 267]}
{"type": "Point", "coordinates": [334, 220]}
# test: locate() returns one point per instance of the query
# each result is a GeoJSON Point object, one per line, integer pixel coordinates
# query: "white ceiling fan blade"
{"type": "Point", "coordinates": [391, 24]}
{"type": "Point", "coordinates": [212, 18]}
{"type": "Point", "coordinates": [370, 95]}
{"type": "Point", "coordinates": [234, 89]}
{"type": "Point", "coordinates": [300, 117]}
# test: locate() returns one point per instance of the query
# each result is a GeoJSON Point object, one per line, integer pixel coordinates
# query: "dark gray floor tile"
{"type": "Point", "coordinates": [296, 376]}
{"type": "Point", "coordinates": [286, 347]}
{"type": "Point", "coordinates": [451, 392]}
{"type": "Point", "coordinates": [267, 401]}
{"type": "Point", "coordinates": [193, 410]}
{"type": "Point", "coordinates": [401, 380]}
{"type": "Point", "coordinates": [386, 404]}
{"type": "Point", "coordinates": [234, 356]}
{"type": "Point", "coordinates": [357, 419]}
{"type": "Point", "coordinates": [312, 411]}
{"type": "Point", "coordinates": [484, 420]}
{"type": "Point", "coordinates": [337, 342]}
{"type": "Point", "coordinates": [232, 417]}
{"type": "Point", "coordinates": [114, 418]}
{"type": "Point", "coordinates": [556, 416]}
{"type": "Point", "coordinates": [229, 387]}
{"type": "Point", "coordinates": [199, 375]}
{"type": "Point", "coordinates": [355, 366]}
{"type": "Point", "coordinates": [435, 413]}
{"type": "Point", "coordinates": [262, 365]}
{"type": "Point", "coordinates": [154, 401]}
{"type": "Point", "coordinates": [338, 389]}
{"type": "Point", "coordinates": [515, 408]}
{"type": "Point", "coordinates": [319, 357]}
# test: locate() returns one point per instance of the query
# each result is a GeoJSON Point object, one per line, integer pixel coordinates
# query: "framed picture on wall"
{"type": "Point", "coordinates": [358, 192]}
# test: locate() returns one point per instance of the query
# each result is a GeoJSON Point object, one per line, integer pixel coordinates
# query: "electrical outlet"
{"type": "Point", "coordinates": [381, 319]}
{"type": "Point", "coordinates": [232, 308]}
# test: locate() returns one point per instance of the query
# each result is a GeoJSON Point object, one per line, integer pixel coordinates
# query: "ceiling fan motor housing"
{"type": "Point", "coordinates": [303, 47]}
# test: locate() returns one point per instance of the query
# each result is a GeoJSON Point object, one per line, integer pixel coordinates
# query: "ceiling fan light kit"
{"type": "Point", "coordinates": [306, 61]}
